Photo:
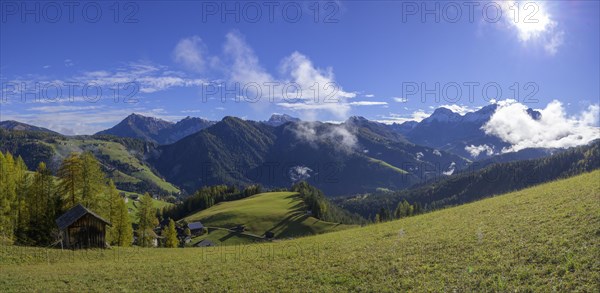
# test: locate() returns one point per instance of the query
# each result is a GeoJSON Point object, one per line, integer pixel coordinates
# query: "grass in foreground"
{"type": "Point", "coordinates": [542, 239]}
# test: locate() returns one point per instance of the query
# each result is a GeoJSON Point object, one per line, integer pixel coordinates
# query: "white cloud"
{"type": "Point", "coordinates": [555, 41]}
{"type": "Point", "coordinates": [299, 173]}
{"type": "Point", "coordinates": [245, 67]}
{"type": "Point", "coordinates": [308, 110]}
{"type": "Point", "coordinates": [191, 111]}
{"type": "Point", "coordinates": [297, 70]}
{"type": "Point", "coordinates": [69, 120]}
{"type": "Point", "coordinates": [367, 103]}
{"type": "Point", "coordinates": [369, 96]}
{"type": "Point", "coordinates": [340, 136]}
{"type": "Point", "coordinates": [189, 53]}
{"type": "Point", "coordinates": [300, 70]}
{"type": "Point", "coordinates": [62, 108]}
{"type": "Point", "coordinates": [420, 115]}
{"type": "Point", "coordinates": [475, 151]}
{"type": "Point", "coordinates": [460, 109]}
{"type": "Point", "coordinates": [555, 129]}
{"type": "Point", "coordinates": [150, 77]}
{"type": "Point", "coordinates": [416, 116]}
{"type": "Point", "coordinates": [132, 78]}
{"type": "Point", "coordinates": [450, 170]}
{"type": "Point", "coordinates": [400, 100]}
{"type": "Point", "coordinates": [419, 155]}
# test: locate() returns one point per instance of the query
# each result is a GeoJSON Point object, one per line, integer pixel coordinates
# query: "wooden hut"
{"type": "Point", "coordinates": [196, 228]}
{"type": "Point", "coordinates": [82, 228]}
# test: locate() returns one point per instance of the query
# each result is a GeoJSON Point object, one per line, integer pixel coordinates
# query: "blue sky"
{"type": "Point", "coordinates": [364, 57]}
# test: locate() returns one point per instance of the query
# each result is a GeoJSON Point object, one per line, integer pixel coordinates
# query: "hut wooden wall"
{"type": "Point", "coordinates": [87, 232]}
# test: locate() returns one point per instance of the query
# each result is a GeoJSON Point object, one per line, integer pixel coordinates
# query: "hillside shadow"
{"type": "Point", "coordinates": [227, 220]}
{"type": "Point", "coordinates": [238, 234]}
{"type": "Point", "coordinates": [290, 225]}
{"type": "Point", "coordinates": [228, 236]}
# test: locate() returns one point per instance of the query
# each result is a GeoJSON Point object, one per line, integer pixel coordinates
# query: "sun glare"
{"type": "Point", "coordinates": [531, 19]}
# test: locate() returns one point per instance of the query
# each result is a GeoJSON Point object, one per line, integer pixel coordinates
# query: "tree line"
{"type": "Point", "coordinates": [207, 197]}
{"type": "Point", "coordinates": [468, 186]}
{"type": "Point", "coordinates": [320, 207]}
{"type": "Point", "coordinates": [30, 202]}
{"type": "Point", "coordinates": [403, 210]}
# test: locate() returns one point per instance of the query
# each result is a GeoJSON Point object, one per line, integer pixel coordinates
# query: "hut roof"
{"type": "Point", "coordinates": [195, 226]}
{"type": "Point", "coordinates": [205, 243]}
{"type": "Point", "coordinates": [74, 214]}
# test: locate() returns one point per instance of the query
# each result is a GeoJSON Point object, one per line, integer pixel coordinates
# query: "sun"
{"type": "Point", "coordinates": [533, 23]}
{"type": "Point", "coordinates": [530, 19]}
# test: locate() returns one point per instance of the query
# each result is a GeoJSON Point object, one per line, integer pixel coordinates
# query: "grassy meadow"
{"type": "Point", "coordinates": [282, 213]}
{"type": "Point", "coordinates": [542, 239]}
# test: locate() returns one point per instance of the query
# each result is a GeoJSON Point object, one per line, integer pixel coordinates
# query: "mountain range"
{"type": "Point", "coordinates": [157, 130]}
{"type": "Point", "coordinates": [15, 125]}
{"type": "Point", "coordinates": [355, 156]}
{"type": "Point", "coordinates": [443, 130]}
{"type": "Point", "coordinates": [455, 133]}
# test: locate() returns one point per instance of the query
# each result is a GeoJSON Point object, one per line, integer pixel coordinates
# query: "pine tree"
{"type": "Point", "coordinates": [125, 231]}
{"type": "Point", "coordinates": [171, 235]}
{"type": "Point", "coordinates": [384, 214]}
{"type": "Point", "coordinates": [8, 197]}
{"type": "Point", "coordinates": [43, 205]}
{"type": "Point", "coordinates": [92, 181]}
{"type": "Point", "coordinates": [108, 210]}
{"type": "Point", "coordinates": [22, 210]}
{"type": "Point", "coordinates": [70, 174]}
{"type": "Point", "coordinates": [147, 220]}
{"type": "Point", "coordinates": [404, 209]}
{"type": "Point", "coordinates": [120, 232]}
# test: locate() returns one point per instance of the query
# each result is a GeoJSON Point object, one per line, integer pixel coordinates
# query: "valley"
{"type": "Point", "coordinates": [300, 146]}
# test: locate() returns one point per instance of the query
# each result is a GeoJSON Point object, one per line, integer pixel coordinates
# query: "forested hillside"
{"type": "Point", "coordinates": [356, 156]}
{"type": "Point", "coordinates": [469, 185]}
{"type": "Point", "coordinates": [122, 159]}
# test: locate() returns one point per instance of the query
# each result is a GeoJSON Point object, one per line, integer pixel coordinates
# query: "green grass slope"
{"type": "Point", "coordinates": [122, 158]}
{"type": "Point", "coordinates": [282, 213]}
{"type": "Point", "coordinates": [541, 239]}
{"type": "Point", "coordinates": [111, 153]}
{"type": "Point", "coordinates": [387, 165]}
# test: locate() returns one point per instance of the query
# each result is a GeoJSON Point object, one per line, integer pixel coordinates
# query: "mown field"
{"type": "Point", "coordinates": [282, 213]}
{"type": "Point", "coordinates": [542, 239]}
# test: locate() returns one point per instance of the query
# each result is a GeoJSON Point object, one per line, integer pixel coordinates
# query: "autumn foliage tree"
{"type": "Point", "coordinates": [147, 221]}
{"type": "Point", "coordinates": [170, 234]}
{"type": "Point", "coordinates": [120, 232]}
{"type": "Point", "coordinates": [31, 203]}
